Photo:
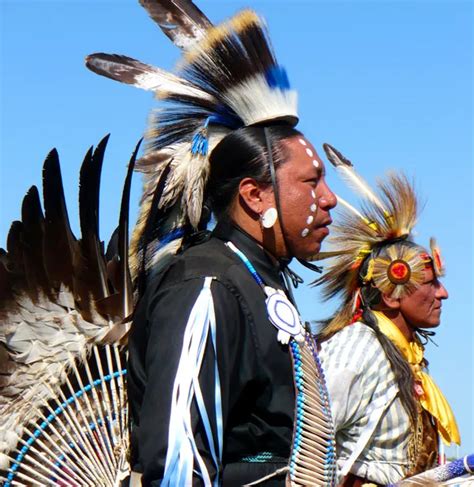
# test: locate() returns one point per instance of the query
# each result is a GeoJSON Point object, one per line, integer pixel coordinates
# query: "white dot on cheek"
{"type": "Point", "coordinates": [309, 152]}
{"type": "Point", "coordinates": [305, 232]}
{"type": "Point", "coordinates": [302, 141]}
{"type": "Point", "coordinates": [313, 194]}
{"type": "Point", "coordinates": [313, 207]}
{"type": "Point", "coordinates": [309, 220]}
{"type": "Point", "coordinates": [315, 163]}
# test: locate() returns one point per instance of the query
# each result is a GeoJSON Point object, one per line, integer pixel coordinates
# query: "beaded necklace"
{"type": "Point", "coordinates": [312, 460]}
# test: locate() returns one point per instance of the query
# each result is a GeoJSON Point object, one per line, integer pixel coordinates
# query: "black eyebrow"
{"type": "Point", "coordinates": [321, 171]}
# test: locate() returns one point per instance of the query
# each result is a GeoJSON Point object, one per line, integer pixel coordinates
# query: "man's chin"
{"type": "Point", "coordinates": [427, 326]}
{"type": "Point", "coordinates": [310, 255]}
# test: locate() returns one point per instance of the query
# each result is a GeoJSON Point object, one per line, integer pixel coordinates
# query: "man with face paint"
{"type": "Point", "coordinates": [305, 205]}
{"type": "Point", "coordinates": [388, 412]}
{"type": "Point", "coordinates": [220, 365]}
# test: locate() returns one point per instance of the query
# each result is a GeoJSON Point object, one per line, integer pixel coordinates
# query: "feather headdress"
{"type": "Point", "coordinates": [227, 78]}
{"type": "Point", "coordinates": [385, 221]}
{"type": "Point", "coordinates": [64, 308]}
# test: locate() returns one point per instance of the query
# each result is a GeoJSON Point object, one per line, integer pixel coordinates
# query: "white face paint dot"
{"type": "Point", "coordinates": [305, 232]}
{"type": "Point", "coordinates": [313, 194]}
{"type": "Point", "coordinates": [302, 141]}
{"type": "Point", "coordinates": [309, 220]}
{"type": "Point", "coordinates": [309, 152]}
{"type": "Point", "coordinates": [315, 163]}
{"type": "Point", "coordinates": [313, 207]}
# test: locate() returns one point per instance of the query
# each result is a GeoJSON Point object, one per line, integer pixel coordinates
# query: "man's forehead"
{"type": "Point", "coordinates": [429, 271]}
{"type": "Point", "coordinates": [306, 158]}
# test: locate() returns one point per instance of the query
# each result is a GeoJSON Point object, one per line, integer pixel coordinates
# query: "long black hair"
{"type": "Point", "coordinates": [243, 153]}
{"type": "Point", "coordinates": [371, 297]}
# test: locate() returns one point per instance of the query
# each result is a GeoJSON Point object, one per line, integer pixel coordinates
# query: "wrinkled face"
{"type": "Point", "coordinates": [305, 200]}
{"type": "Point", "coordinates": [422, 308]}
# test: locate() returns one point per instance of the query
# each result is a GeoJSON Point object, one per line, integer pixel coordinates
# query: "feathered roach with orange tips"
{"type": "Point", "coordinates": [385, 218]}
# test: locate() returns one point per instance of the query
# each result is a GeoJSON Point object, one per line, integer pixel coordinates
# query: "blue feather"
{"type": "Point", "coordinates": [277, 77]}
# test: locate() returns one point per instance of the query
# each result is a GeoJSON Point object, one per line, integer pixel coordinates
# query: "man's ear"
{"type": "Point", "coordinates": [389, 302]}
{"type": "Point", "coordinates": [254, 197]}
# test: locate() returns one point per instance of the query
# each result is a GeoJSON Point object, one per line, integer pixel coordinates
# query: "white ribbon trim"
{"type": "Point", "coordinates": [182, 450]}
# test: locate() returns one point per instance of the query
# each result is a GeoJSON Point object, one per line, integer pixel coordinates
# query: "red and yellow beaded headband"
{"type": "Point", "coordinates": [401, 269]}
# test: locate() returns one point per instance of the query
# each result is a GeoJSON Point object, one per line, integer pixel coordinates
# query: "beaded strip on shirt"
{"type": "Point", "coordinates": [313, 460]}
{"type": "Point", "coordinates": [423, 444]}
{"type": "Point", "coordinates": [313, 454]}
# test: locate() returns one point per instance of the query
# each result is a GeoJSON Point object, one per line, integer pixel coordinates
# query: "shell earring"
{"type": "Point", "coordinates": [269, 218]}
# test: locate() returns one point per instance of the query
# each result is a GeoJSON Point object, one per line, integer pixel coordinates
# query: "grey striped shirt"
{"type": "Point", "coordinates": [357, 373]}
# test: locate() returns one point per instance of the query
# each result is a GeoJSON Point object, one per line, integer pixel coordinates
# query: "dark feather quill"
{"type": "Point", "coordinates": [33, 239]}
{"type": "Point", "coordinates": [125, 288]}
{"type": "Point", "coordinates": [93, 272]}
{"type": "Point", "coordinates": [120, 68]}
{"type": "Point", "coordinates": [335, 157]}
{"type": "Point", "coordinates": [180, 20]}
{"type": "Point", "coordinates": [4, 278]}
{"type": "Point", "coordinates": [119, 305]}
{"type": "Point", "coordinates": [60, 243]}
{"type": "Point", "coordinates": [16, 265]}
{"type": "Point", "coordinates": [150, 224]}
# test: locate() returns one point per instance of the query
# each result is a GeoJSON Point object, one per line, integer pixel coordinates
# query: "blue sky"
{"type": "Point", "coordinates": [389, 83]}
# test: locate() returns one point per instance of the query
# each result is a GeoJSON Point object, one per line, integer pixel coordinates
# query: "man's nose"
{"type": "Point", "coordinates": [442, 292]}
{"type": "Point", "coordinates": [328, 199]}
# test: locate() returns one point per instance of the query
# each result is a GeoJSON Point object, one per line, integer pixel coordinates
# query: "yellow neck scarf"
{"type": "Point", "coordinates": [431, 399]}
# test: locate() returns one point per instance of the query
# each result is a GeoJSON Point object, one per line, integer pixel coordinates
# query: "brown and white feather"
{"type": "Point", "coordinates": [49, 322]}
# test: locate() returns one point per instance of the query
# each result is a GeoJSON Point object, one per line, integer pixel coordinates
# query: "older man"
{"type": "Point", "coordinates": [387, 411]}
